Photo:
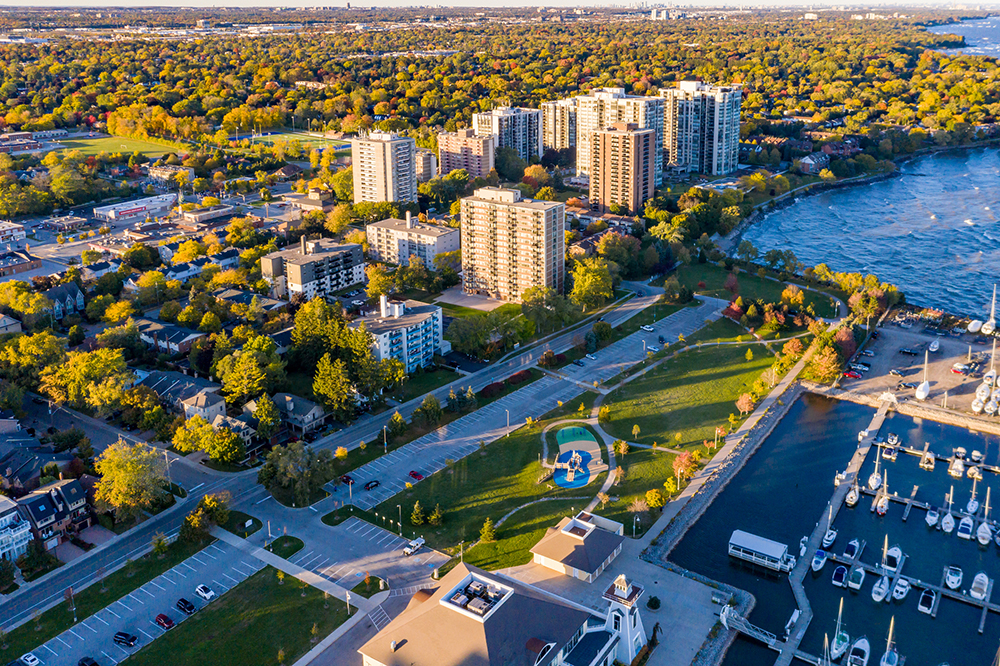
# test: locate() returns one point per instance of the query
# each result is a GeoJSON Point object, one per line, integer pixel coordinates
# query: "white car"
{"type": "Point", "coordinates": [205, 592]}
{"type": "Point", "coordinates": [591, 357]}
{"type": "Point", "coordinates": [30, 660]}
{"type": "Point", "coordinates": [652, 348]}
{"type": "Point", "coordinates": [647, 328]}
{"type": "Point", "coordinates": [357, 302]}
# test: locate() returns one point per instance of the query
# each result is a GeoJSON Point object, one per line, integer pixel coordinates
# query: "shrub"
{"type": "Point", "coordinates": [653, 603]}
{"type": "Point", "coordinates": [518, 377]}
{"type": "Point", "coordinates": [491, 390]}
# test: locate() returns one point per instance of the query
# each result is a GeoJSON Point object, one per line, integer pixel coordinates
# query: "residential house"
{"type": "Point", "coordinates": [242, 425]}
{"type": "Point", "coordinates": [166, 338]}
{"type": "Point", "coordinates": [300, 415]}
{"type": "Point", "coordinates": [22, 458]}
{"type": "Point", "coordinates": [9, 325]}
{"type": "Point", "coordinates": [167, 251]}
{"type": "Point", "coordinates": [240, 297]}
{"type": "Point", "coordinates": [15, 531]}
{"type": "Point", "coordinates": [66, 299]}
{"type": "Point", "coordinates": [580, 547]}
{"type": "Point", "coordinates": [56, 511]}
{"type": "Point", "coordinates": [814, 163]}
{"type": "Point", "coordinates": [175, 387]}
{"type": "Point", "coordinates": [99, 269]}
{"type": "Point", "coordinates": [288, 172]}
{"type": "Point", "coordinates": [206, 404]}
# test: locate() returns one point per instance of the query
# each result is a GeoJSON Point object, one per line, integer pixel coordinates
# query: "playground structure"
{"type": "Point", "coordinates": [579, 460]}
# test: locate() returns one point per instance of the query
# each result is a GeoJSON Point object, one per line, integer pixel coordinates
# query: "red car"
{"type": "Point", "coordinates": [416, 476]}
{"type": "Point", "coordinates": [852, 374]}
{"type": "Point", "coordinates": [164, 621]}
{"type": "Point", "coordinates": [346, 479]}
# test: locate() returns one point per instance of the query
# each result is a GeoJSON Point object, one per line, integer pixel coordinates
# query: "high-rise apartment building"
{"type": "Point", "coordinates": [464, 150]}
{"type": "Point", "coordinates": [425, 165]}
{"type": "Point", "coordinates": [510, 244]}
{"type": "Point", "coordinates": [623, 167]}
{"type": "Point", "coordinates": [601, 108]}
{"type": "Point", "coordinates": [559, 124]}
{"type": "Point", "coordinates": [384, 168]}
{"type": "Point", "coordinates": [701, 128]}
{"type": "Point", "coordinates": [517, 128]}
{"type": "Point", "coordinates": [313, 268]}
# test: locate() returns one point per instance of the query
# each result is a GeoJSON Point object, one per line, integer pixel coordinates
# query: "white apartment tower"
{"type": "Point", "coordinates": [384, 168]}
{"type": "Point", "coordinates": [701, 128]}
{"type": "Point", "coordinates": [517, 128]}
{"type": "Point", "coordinates": [603, 108]}
{"type": "Point", "coordinates": [510, 244]}
{"type": "Point", "coordinates": [559, 124]}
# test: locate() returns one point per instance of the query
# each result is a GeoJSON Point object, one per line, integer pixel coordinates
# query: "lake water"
{"type": "Point", "coordinates": [781, 494]}
{"type": "Point", "coordinates": [932, 231]}
{"type": "Point", "coordinates": [982, 37]}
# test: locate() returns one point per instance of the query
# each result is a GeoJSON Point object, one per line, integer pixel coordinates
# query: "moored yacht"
{"type": "Point", "coordinates": [893, 558]}
{"type": "Point", "coordinates": [965, 528]}
{"type": "Point", "coordinates": [851, 551]}
{"type": "Point", "coordinates": [980, 584]}
{"type": "Point", "coordinates": [990, 325]}
{"type": "Point", "coordinates": [880, 589]}
{"type": "Point", "coordinates": [875, 480]}
{"type": "Point", "coordinates": [892, 439]}
{"type": "Point", "coordinates": [926, 603]}
{"type": "Point", "coordinates": [840, 576]}
{"type": "Point", "coordinates": [973, 504]}
{"type": "Point", "coordinates": [957, 466]}
{"type": "Point", "coordinates": [901, 589]}
{"type": "Point", "coordinates": [841, 640]}
{"type": "Point", "coordinates": [932, 517]}
{"type": "Point", "coordinates": [991, 407]}
{"type": "Point", "coordinates": [984, 533]}
{"type": "Point", "coordinates": [953, 578]}
{"type": "Point", "coordinates": [853, 495]}
{"type": "Point", "coordinates": [927, 460]}
{"type": "Point", "coordinates": [948, 521]}
{"type": "Point", "coordinates": [859, 653]}
{"type": "Point", "coordinates": [856, 579]}
{"type": "Point", "coordinates": [819, 560]}
{"type": "Point", "coordinates": [934, 346]}
{"type": "Point", "coordinates": [977, 406]}
{"type": "Point", "coordinates": [891, 656]}
{"type": "Point", "coordinates": [983, 392]}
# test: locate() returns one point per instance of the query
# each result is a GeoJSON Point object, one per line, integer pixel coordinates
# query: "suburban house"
{"type": "Point", "coordinates": [814, 163]}
{"type": "Point", "coordinates": [22, 458]}
{"type": "Point", "coordinates": [100, 269]}
{"type": "Point", "coordinates": [241, 425]}
{"type": "Point", "coordinates": [15, 531]}
{"type": "Point", "coordinates": [174, 387]}
{"type": "Point", "coordinates": [9, 325]}
{"type": "Point", "coordinates": [475, 618]}
{"type": "Point", "coordinates": [240, 297]}
{"type": "Point", "coordinates": [55, 511]}
{"type": "Point", "coordinates": [206, 404]}
{"type": "Point", "coordinates": [301, 416]}
{"type": "Point", "coordinates": [66, 299]}
{"type": "Point", "coordinates": [167, 338]}
{"type": "Point", "coordinates": [580, 547]}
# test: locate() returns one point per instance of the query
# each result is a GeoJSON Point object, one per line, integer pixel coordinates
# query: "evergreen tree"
{"type": "Point", "coordinates": [488, 533]}
{"type": "Point", "coordinates": [417, 517]}
{"type": "Point", "coordinates": [333, 387]}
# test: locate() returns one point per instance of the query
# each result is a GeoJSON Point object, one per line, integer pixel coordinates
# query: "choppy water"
{"type": "Point", "coordinates": [981, 37]}
{"type": "Point", "coordinates": [932, 231]}
{"type": "Point", "coordinates": [781, 493]}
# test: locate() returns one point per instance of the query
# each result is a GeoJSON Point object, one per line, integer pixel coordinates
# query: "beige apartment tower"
{"type": "Point", "coordinates": [701, 127]}
{"type": "Point", "coordinates": [623, 167]}
{"type": "Point", "coordinates": [510, 244]}
{"type": "Point", "coordinates": [599, 109]}
{"type": "Point", "coordinates": [384, 168]}
{"type": "Point", "coordinates": [464, 150]}
{"type": "Point", "coordinates": [559, 124]}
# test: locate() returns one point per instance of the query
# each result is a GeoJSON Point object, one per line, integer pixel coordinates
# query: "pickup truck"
{"type": "Point", "coordinates": [413, 546]}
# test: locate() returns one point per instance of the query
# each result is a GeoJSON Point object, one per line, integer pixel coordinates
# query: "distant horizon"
{"type": "Point", "coordinates": [340, 4]}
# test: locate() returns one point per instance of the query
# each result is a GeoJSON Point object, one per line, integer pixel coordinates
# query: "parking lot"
{"type": "Point", "coordinates": [219, 566]}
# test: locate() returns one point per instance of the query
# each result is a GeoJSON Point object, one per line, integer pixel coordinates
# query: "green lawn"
{"type": "Point", "coordinates": [116, 144]}
{"type": "Point", "coordinates": [645, 469]}
{"type": "Point", "coordinates": [369, 589]}
{"type": "Point", "coordinates": [490, 483]}
{"type": "Point", "coordinates": [249, 626]}
{"type": "Point", "coordinates": [237, 521]}
{"type": "Point", "coordinates": [285, 546]}
{"type": "Point", "coordinates": [300, 384]}
{"type": "Point", "coordinates": [424, 382]}
{"type": "Point", "coordinates": [314, 141]}
{"type": "Point", "coordinates": [89, 601]}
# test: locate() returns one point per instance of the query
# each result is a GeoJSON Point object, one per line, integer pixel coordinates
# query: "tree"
{"type": "Point", "coordinates": [635, 431]}
{"type": "Point", "coordinates": [670, 486]}
{"type": "Point", "coordinates": [488, 533]}
{"type": "Point", "coordinates": [793, 348]}
{"type": "Point", "coordinates": [417, 517]}
{"type": "Point", "coordinates": [333, 386]}
{"type": "Point", "coordinates": [397, 425]}
{"type": "Point", "coordinates": [749, 355]}
{"type": "Point", "coordinates": [226, 446]}
{"type": "Point", "coordinates": [430, 411]}
{"type": "Point", "coordinates": [132, 479]}
{"type": "Point", "coordinates": [94, 379]}
{"type": "Point", "coordinates": [297, 467]}
{"type": "Point", "coordinates": [793, 296]}
{"type": "Point", "coordinates": [160, 545]}
{"type": "Point", "coordinates": [338, 218]}
{"type": "Point", "coordinates": [436, 517]}
{"type": "Point", "coordinates": [119, 311]}
{"type": "Point", "coordinates": [509, 164]}
{"type": "Point", "coordinates": [592, 285]}
{"type": "Point", "coordinates": [744, 403]}
{"type": "Point", "coordinates": [7, 575]}
{"type": "Point", "coordinates": [268, 417]}
{"type": "Point", "coordinates": [683, 465]}
{"type": "Point", "coordinates": [654, 498]}
{"type": "Point", "coordinates": [379, 281]}
{"type": "Point", "coordinates": [844, 339]}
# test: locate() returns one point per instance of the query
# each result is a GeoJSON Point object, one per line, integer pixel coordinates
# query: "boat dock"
{"type": "Point", "coordinates": [909, 505]}
{"type": "Point", "coordinates": [920, 453]}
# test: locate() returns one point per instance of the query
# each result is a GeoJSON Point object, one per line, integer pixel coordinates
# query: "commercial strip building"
{"type": "Point", "coordinates": [394, 241]}
{"type": "Point", "coordinates": [138, 208]}
{"type": "Point", "coordinates": [465, 150]}
{"type": "Point", "coordinates": [408, 331]}
{"type": "Point", "coordinates": [384, 168]}
{"type": "Point", "coordinates": [313, 268]}
{"type": "Point", "coordinates": [18, 261]}
{"type": "Point", "coordinates": [701, 127]}
{"type": "Point", "coordinates": [600, 109]}
{"type": "Point", "coordinates": [514, 127]}
{"type": "Point", "coordinates": [510, 244]}
{"type": "Point", "coordinates": [623, 167]}
{"type": "Point", "coordinates": [479, 618]}
{"type": "Point", "coordinates": [559, 124]}
{"type": "Point", "coordinates": [11, 232]}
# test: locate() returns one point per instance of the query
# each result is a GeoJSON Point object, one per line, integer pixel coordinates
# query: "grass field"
{"type": "Point", "coordinates": [116, 144]}
{"type": "Point", "coordinates": [248, 626]}
{"type": "Point", "coordinates": [238, 520]}
{"type": "Point", "coordinates": [424, 382]}
{"type": "Point", "coordinates": [645, 469]}
{"type": "Point", "coordinates": [285, 546]}
{"type": "Point", "coordinates": [367, 590]}
{"type": "Point", "coordinates": [314, 141]}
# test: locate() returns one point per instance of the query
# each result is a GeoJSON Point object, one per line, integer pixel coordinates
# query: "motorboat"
{"type": "Point", "coordinates": [974, 326]}
{"type": "Point", "coordinates": [990, 377]}
{"type": "Point", "coordinates": [860, 651]}
{"type": "Point", "coordinates": [960, 453]}
{"type": "Point", "coordinates": [926, 603]}
{"type": "Point", "coordinates": [984, 533]}
{"type": "Point", "coordinates": [934, 346]}
{"type": "Point", "coordinates": [990, 325]}
{"type": "Point", "coordinates": [840, 576]}
{"type": "Point", "coordinates": [841, 641]}
{"type": "Point", "coordinates": [831, 534]}
{"type": "Point", "coordinates": [803, 546]}
{"type": "Point", "coordinates": [901, 589]}
{"type": "Point", "coordinates": [965, 528]}
{"type": "Point", "coordinates": [984, 391]}
{"type": "Point", "coordinates": [819, 560]}
{"type": "Point", "coordinates": [948, 521]}
{"type": "Point", "coordinates": [977, 406]}
{"type": "Point", "coordinates": [856, 579]}
{"type": "Point", "coordinates": [980, 585]}
{"type": "Point", "coordinates": [890, 453]}
{"type": "Point", "coordinates": [932, 517]}
{"type": "Point", "coordinates": [790, 625]}
{"type": "Point", "coordinates": [975, 473]}
{"type": "Point", "coordinates": [976, 456]}
{"type": "Point", "coordinates": [991, 407]}
{"type": "Point", "coordinates": [957, 466]}
{"type": "Point", "coordinates": [891, 656]}
{"type": "Point", "coordinates": [853, 495]}
{"type": "Point", "coordinates": [875, 480]}
{"type": "Point", "coordinates": [953, 578]}
{"type": "Point", "coordinates": [880, 589]}
{"type": "Point", "coordinates": [928, 460]}
{"type": "Point", "coordinates": [892, 439]}
{"type": "Point", "coordinates": [853, 546]}
{"type": "Point", "coordinates": [973, 504]}
{"type": "Point", "coordinates": [893, 558]}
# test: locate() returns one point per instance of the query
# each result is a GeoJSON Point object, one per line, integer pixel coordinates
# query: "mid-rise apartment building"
{"type": "Point", "coordinates": [559, 124]}
{"type": "Point", "coordinates": [408, 331]}
{"type": "Point", "coordinates": [623, 168]}
{"type": "Point", "coordinates": [701, 128]}
{"type": "Point", "coordinates": [517, 128]}
{"type": "Point", "coordinates": [384, 168]}
{"type": "Point", "coordinates": [425, 164]}
{"type": "Point", "coordinates": [313, 268]}
{"type": "Point", "coordinates": [510, 244]}
{"type": "Point", "coordinates": [395, 241]}
{"type": "Point", "coordinates": [602, 108]}
{"type": "Point", "coordinates": [464, 150]}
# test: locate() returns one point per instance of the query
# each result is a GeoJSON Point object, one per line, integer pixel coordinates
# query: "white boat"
{"type": "Point", "coordinates": [831, 534]}
{"type": "Point", "coordinates": [977, 406]}
{"type": "Point", "coordinates": [856, 578]}
{"type": "Point", "coordinates": [991, 407]}
{"type": "Point", "coordinates": [890, 657]}
{"type": "Point", "coordinates": [984, 533]}
{"type": "Point", "coordinates": [975, 473]}
{"type": "Point", "coordinates": [819, 560]}
{"type": "Point", "coordinates": [973, 504]}
{"type": "Point", "coordinates": [948, 521]}
{"type": "Point", "coordinates": [990, 325]}
{"type": "Point", "coordinates": [974, 326]}
{"type": "Point", "coordinates": [880, 589]}
{"type": "Point", "coordinates": [984, 391]}
{"type": "Point", "coordinates": [976, 456]}
{"type": "Point", "coordinates": [882, 505]}
{"type": "Point", "coordinates": [841, 640]}
{"type": "Point", "coordinates": [965, 528]}
{"type": "Point", "coordinates": [860, 651]}
{"type": "Point", "coordinates": [953, 578]}
{"type": "Point", "coordinates": [990, 377]}
{"type": "Point", "coordinates": [960, 453]}
{"type": "Point", "coordinates": [934, 346]}
{"type": "Point", "coordinates": [926, 603]}
{"type": "Point", "coordinates": [901, 589]}
{"type": "Point", "coordinates": [980, 584]}
{"type": "Point", "coordinates": [956, 468]}
{"type": "Point", "coordinates": [840, 576]}
{"type": "Point", "coordinates": [892, 439]}
{"type": "Point", "coordinates": [890, 453]}
{"type": "Point", "coordinates": [853, 495]}
{"type": "Point", "coordinates": [924, 389]}
{"type": "Point", "coordinates": [893, 557]}
{"type": "Point", "coordinates": [995, 394]}
{"type": "Point", "coordinates": [852, 549]}
{"type": "Point", "coordinates": [932, 517]}
{"type": "Point", "coordinates": [928, 460]}
{"type": "Point", "coordinates": [875, 480]}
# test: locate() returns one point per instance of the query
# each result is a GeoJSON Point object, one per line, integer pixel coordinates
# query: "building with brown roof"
{"type": "Point", "coordinates": [580, 547]}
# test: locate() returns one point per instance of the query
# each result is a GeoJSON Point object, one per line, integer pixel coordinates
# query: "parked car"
{"type": "Point", "coordinates": [909, 352]}
{"type": "Point", "coordinates": [164, 621]}
{"type": "Point", "coordinates": [895, 373]}
{"type": "Point", "coordinates": [868, 352]}
{"type": "Point", "coordinates": [960, 369]}
{"type": "Point", "coordinates": [647, 328]}
{"type": "Point", "coordinates": [416, 476]}
{"type": "Point", "coordinates": [372, 485]}
{"type": "Point", "coordinates": [591, 357]}
{"type": "Point", "coordinates": [905, 385]}
{"type": "Point", "coordinates": [126, 639]}
{"type": "Point", "coordinates": [579, 363]}
{"type": "Point", "coordinates": [652, 348]}
{"type": "Point", "coordinates": [347, 480]}
{"type": "Point", "coordinates": [185, 606]}
{"type": "Point", "coordinates": [38, 401]}
{"type": "Point", "coordinates": [662, 340]}
{"type": "Point", "coordinates": [875, 335]}
{"type": "Point", "coordinates": [87, 661]}
{"type": "Point", "coordinates": [357, 302]}
{"type": "Point", "coordinates": [413, 546]}
{"type": "Point", "coordinates": [30, 660]}
{"type": "Point", "coordinates": [205, 592]}
{"type": "Point", "coordinates": [852, 374]}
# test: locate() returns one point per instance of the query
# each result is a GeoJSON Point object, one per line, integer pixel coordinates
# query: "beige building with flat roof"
{"type": "Point", "coordinates": [600, 108]}
{"type": "Point", "coordinates": [559, 124]}
{"type": "Point", "coordinates": [623, 168]}
{"type": "Point", "coordinates": [510, 244]}
{"type": "Point", "coordinates": [395, 241]}
{"type": "Point", "coordinates": [517, 128]}
{"type": "Point", "coordinates": [464, 150]}
{"type": "Point", "coordinates": [384, 168]}
{"type": "Point", "coordinates": [426, 165]}
{"type": "Point", "coordinates": [313, 268]}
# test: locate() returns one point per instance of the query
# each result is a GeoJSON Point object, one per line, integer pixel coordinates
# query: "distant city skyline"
{"type": "Point", "coordinates": [715, 4]}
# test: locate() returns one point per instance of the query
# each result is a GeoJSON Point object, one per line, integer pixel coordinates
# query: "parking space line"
{"type": "Point", "coordinates": [242, 573]}
{"type": "Point", "coordinates": [99, 618]}
{"type": "Point", "coordinates": [113, 660]}
{"type": "Point", "coordinates": [145, 634]}
{"type": "Point", "coordinates": [195, 558]}
{"type": "Point", "coordinates": [224, 588]}
{"type": "Point", "coordinates": [133, 598]}
{"type": "Point", "coordinates": [153, 583]}
{"type": "Point", "coordinates": [231, 578]}
{"type": "Point", "coordinates": [50, 649]}
{"type": "Point", "coordinates": [185, 564]}
{"type": "Point", "coordinates": [84, 624]}
{"type": "Point", "coordinates": [75, 634]}
{"type": "Point", "coordinates": [152, 596]}
{"type": "Point", "coordinates": [114, 613]}
{"type": "Point", "coordinates": [298, 559]}
{"type": "Point", "coordinates": [215, 547]}
{"type": "Point", "coordinates": [123, 605]}
{"type": "Point", "coordinates": [174, 570]}
{"type": "Point", "coordinates": [317, 567]}
{"type": "Point", "coordinates": [62, 641]}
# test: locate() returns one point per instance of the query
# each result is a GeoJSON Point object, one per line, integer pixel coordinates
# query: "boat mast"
{"type": "Point", "coordinates": [888, 643]}
{"type": "Point", "coordinates": [840, 614]}
{"type": "Point", "coordinates": [826, 650]}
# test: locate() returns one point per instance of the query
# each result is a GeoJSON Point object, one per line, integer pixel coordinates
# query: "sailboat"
{"type": "Point", "coordinates": [853, 495]}
{"type": "Point", "coordinates": [881, 588]}
{"type": "Point", "coordinates": [948, 522]}
{"type": "Point", "coordinates": [934, 346]}
{"type": "Point", "coordinates": [990, 325]}
{"type": "Point", "coordinates": [882, 503]}
{"type": "Point", "coordinates": [875, 480]}
{"type": "Point", "coordinates": [891, 657]}
{"type": "Point", "coordinates": [973, 504]}
{"type": "Point", "coordinates": [991, 375]}
{"type": "Point", "coordinates": [924, 389]}
{"type": "Point", "coordinates": [985, 533]}
{"type": "Point", "coordinates": [840, 639]}
{"type": "Point", "coordinates": [831, 534]}
{"type": "Point", "coordinates": [825, 661]}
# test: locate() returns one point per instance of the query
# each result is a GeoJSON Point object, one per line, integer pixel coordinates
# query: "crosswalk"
{"type": "Point", "coordinates": [411, 590]}
{"type": "Point", "coordinates": [379, 617]}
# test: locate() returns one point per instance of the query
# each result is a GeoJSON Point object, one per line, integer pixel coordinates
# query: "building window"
{"type": "Point", "coordinates": [616, 621]}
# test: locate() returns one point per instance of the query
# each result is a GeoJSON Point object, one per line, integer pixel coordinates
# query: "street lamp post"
{"type": "Point", "coordinates": [167, 459]}
{"type": "Point", "coordinates": [508, 422]}
{"type": "Point", "coordinates": [636, 520]}
{"type": "Point", "coordinates": [461, 550]}
{"type": "Point", "coordinates": [385, 440]}
{"type": "Point", "coordinates": [400, 507]}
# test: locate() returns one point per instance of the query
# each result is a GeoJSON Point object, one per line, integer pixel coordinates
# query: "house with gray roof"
{"type": "Point", "coordinates": [206, 404]}
{"type": "Point", "coordinates": [22, 458]}
{"type": "Point", "coordinates": [166, 338]}
{"type": "Point", "coordinates": [175, 387]}
{"type": "Point", "coordinates": [301, 416]}
{"type": "Point", "coordinates": [66, 299]}
{"type": "Point", "coordinates": [581, 547]}
{"type": "Point", "coordinates": [56, 511]}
